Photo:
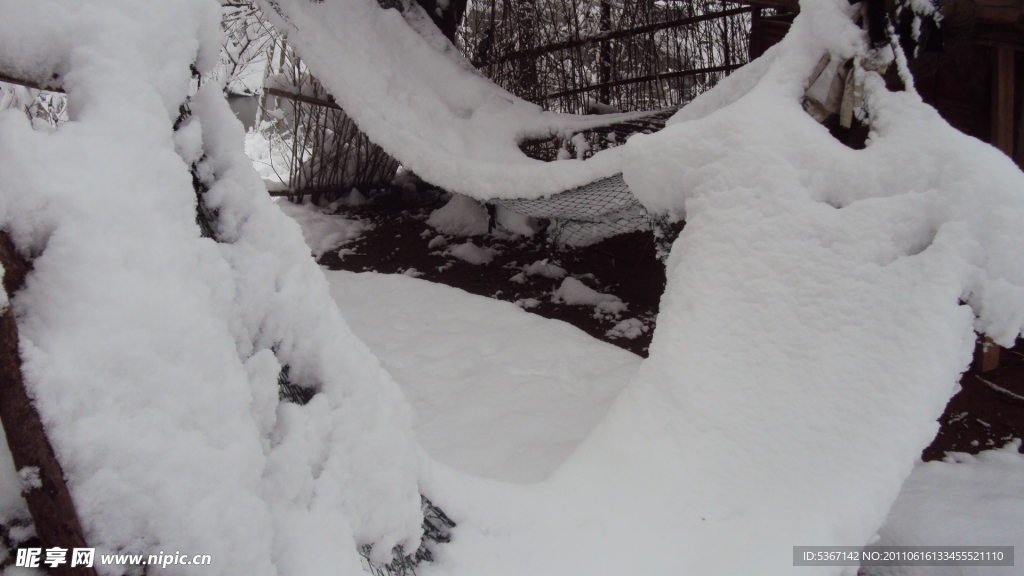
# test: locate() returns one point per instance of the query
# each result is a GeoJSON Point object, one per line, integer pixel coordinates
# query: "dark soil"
{"type": "Point", "coordinates": [625, 266]}
{"type": "Point", "coordinates": [977, 418]}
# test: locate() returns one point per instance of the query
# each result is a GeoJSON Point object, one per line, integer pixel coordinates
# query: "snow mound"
{"type": "Point", "coordinates": [576, 293]}
{"type": "Point", "coordinates": [469, 252]}
{"type": "Point", "coordinates": [497, 392]}
{"type": "Point", "coordinates": [323, 232]}
{"type": "Point", "coordinates": [545, 269]}
{"type": "Point", "coordinates": [629, 328]}
{"type": "Point", "coordinates": [461, 216]}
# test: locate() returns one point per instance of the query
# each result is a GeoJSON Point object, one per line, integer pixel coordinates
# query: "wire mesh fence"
{"type": "Point", "coordinates": [588, 214]}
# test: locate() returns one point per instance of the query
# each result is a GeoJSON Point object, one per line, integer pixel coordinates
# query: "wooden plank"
{"type": "Point", "coordinates": [49, 502]}
{"type": "Point", "coordinates": [301, 98]}
{"type": "Point", "coordinates": [792, 6]}
{"type": "Point", "coordinates": [30, 83]}
{"type": "Point", "coordinates": [652, 77]}
{"type": "Point", "coordinates": [1002, 104]}
{"type": "Point", "coordinates": [612, 35]}
{"type": "Point", "coordinates": [989, 355]}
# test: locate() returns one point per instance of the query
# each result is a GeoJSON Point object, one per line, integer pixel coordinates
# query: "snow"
{"type": "Point", "coordinates": [323, 231]}
{"type": "Point", "coordinates": [576, 293]}
{"type": "Point", "coordinates": [461, 216]}
{"type": "Point", "coordinates": [819, 308]}
{"type": "Point", "coordinates": [629, 328]}
{"type": "Point", "coordinates": [469, 252]}
{"type": "Point", "coordinates": [514, 222]}
{"type": "Point", "coordinates": [411, 92]}
{"type": "Point", "coordinates": [545, 269]}
{"type": "Point", "coordinates": [152, 353]}
{"type": "Point", "coordinates": [498, 392]}
{"type": "Point", "coordinates": [964, 501]}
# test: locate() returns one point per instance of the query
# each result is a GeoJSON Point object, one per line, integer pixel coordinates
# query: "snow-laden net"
{"type": "Point", "coordinates": [587, 214]}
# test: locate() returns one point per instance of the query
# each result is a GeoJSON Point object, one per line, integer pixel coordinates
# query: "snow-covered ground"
{"type": "Point", "coordinates": [504, 394]}
{"type": "Point", "coordinates": [497, 392]}
{"type": "Point", "coordinates": [854, 280]}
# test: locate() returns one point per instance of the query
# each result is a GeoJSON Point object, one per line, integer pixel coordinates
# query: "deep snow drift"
{"type": "Point", "coordinates": [505, 394]}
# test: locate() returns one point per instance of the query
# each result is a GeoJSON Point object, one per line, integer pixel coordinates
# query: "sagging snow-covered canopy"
{"type": "Point", "coordinates": [852, 279]}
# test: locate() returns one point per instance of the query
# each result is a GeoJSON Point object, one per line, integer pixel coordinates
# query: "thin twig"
{"type": "Point", "coordinates": [1000, 389]}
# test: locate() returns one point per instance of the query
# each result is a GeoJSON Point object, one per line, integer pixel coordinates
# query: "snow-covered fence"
{"type": "Point", "coordinates": [329, 154]}
{"type": "Point", "coordinates": [636, 56]}
{"type": "Point", "coordinates": [326, 153]}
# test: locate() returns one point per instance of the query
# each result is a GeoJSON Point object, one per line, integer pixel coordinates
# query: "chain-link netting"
{"type": "Point", "coordinates": [588, 214]}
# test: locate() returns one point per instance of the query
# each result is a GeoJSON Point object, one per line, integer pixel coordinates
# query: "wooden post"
{"type": "Point", "coordinates": [1002, 138]}
{"type": "Point", "coordinates": [47, 496]}
{"type": "Point", "coordinates": [1002, 99]}
{"type": "Point", "coordinates": [989, 355]}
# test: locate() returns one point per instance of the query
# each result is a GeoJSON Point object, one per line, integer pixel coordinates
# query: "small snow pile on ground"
{"type": "Point", "coordinates": [545, 269]}
{"type": "Point", "coordinates": [576, 293]}
{"type": "Point", "coordinates": [527, 303]}
{"type": "Point", "coordinates": [323, 232]}
{"type": "Point", "coordinates": [355, 198]}
{"type": "Point", "coordinates": [629, 328]}
{"type": "Point", "coordinates": [437, 242]}
{"type": "Point", "coordinates": [965, 501]}
{"type": "Point", "coordinates": [461, 216]}
{"type": "Point", "coordinates": [497, 392]}
{"type": "Point", "coordinates": [472, 253]}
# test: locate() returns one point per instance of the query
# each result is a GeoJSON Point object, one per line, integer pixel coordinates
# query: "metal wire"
{"type": "Point", "coordinates": [587, 214]}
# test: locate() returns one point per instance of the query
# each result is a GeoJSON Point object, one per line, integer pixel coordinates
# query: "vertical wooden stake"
{"type": "Point", "coordinates": [1002, 99]}
{"type": "Point", "coordinates": [989, 355]}
{"type": "Point", "coordinates": [1002, 138]}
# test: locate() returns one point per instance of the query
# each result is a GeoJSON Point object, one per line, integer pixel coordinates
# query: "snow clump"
{"type": "Point", "coordinates": [461, 216]}
{"type": "Point", "coordinates": [469, 252]}
{"type": "Point", "coordinates": [576, 293]}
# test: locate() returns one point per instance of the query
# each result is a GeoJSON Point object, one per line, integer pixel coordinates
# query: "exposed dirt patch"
{"type": "Point", "coordinates": [979, 418]}
{"type": "Point", "coordinates": [624, 266]}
